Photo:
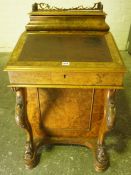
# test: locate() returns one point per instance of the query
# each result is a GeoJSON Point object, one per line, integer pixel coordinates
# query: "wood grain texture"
{"type": "Point", "coordinates": [67, 21]}
{"type": "Point", "coordinates": [66, 105]}
{"type": "Point", "coordinates": [33, 113]}
{"type": "Point", "coordinates": [66, 78]}
{"type": "Point", "coordinates": [64, 112]}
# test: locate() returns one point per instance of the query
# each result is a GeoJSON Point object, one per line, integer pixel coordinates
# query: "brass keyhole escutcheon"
{"type": "Point", "coordinates": [64, 76]}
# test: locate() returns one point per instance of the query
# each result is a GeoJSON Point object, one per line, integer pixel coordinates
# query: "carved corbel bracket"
{"type": "Point", "coordinates": [22, 121]}
{"type": "Point", "coordinates": [20, 108]}
{"type": "Point", "coordinates": [110, 109]}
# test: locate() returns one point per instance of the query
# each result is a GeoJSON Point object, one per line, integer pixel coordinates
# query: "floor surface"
{"type": "Point", "coordinates": [64, 160]}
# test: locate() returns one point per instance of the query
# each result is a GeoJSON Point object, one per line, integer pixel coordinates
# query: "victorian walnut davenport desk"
{"type": "Point", "coordinates": [65, 70]}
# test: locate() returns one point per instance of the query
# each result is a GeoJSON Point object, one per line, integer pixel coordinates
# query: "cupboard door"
{"type": "Point", "coordinates": [67, 109]}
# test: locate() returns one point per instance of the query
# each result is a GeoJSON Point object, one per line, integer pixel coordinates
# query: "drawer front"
{"type": "Point", "coordinates": [87, 78]}
{"type": "Point", "coordinates": [66, 78]}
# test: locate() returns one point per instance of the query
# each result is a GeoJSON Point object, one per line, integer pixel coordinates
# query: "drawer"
{"type": "Point", "coordinates": [87, 78]}
{"type": "Point", "coordinates": [65, 78]}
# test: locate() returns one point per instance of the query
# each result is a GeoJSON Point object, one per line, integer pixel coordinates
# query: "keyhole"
{"type": "Point", "coordinates": [64, 76]}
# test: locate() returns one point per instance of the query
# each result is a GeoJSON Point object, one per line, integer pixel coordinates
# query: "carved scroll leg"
{"type": "Point", "coordinates": [102, 161]}
{"type": "Point", "coordinates": [22, 121]}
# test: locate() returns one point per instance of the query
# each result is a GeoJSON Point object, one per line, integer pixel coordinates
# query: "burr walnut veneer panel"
{"type": "Point", "coordinates": [65, 112]}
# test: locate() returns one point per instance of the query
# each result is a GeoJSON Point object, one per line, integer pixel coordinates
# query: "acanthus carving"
{"type": "Point", "coordinates": [20, 109]}
{"type": "Point", "coordinates": [22, 121]}
{"type": "Point", "coordinates": [101, 158]}
{"type": "Point", "coordinates": [110, 109]}
{"type": "Point", "coordinates": [44, 6]}
{"type": "Point", "coordinates": [101, 154]}
{"type": "Point", "coordinates": [28, 151]}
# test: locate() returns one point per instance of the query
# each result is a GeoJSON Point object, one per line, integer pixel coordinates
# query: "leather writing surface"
{"type": "Point", "coordinates": [72, 48]}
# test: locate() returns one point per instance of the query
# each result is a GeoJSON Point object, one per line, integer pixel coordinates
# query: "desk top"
{"type": "Point", "coordinates": [68, 48]}
{"type": "Point", "coordinates": [81, 51]}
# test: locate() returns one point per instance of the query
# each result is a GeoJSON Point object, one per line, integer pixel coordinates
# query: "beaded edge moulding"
{"type": "Point", "coordinates": [43, 6]}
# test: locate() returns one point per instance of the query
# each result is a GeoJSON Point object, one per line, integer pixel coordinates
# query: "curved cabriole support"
{"type": "Point", "coordinates": [22, 121]}
{"type": "Point", "coordinates": [110, 109]}
{"type": "Point", "coordinates": [107, 124]}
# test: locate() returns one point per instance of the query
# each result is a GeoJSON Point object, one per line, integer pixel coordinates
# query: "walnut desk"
{"type": "Point", "coordinates": [65, 70]}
